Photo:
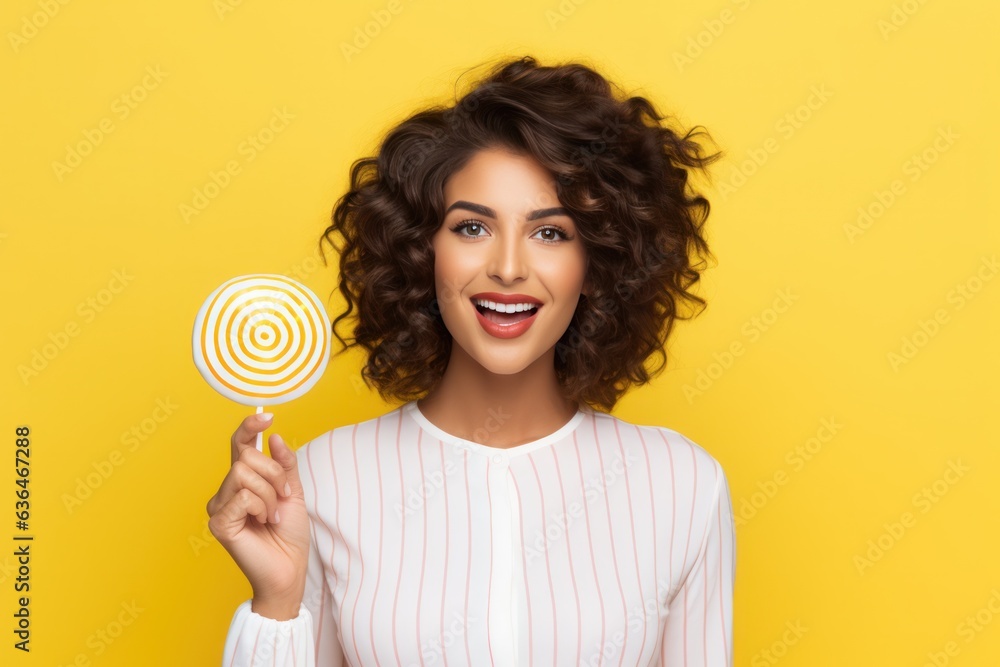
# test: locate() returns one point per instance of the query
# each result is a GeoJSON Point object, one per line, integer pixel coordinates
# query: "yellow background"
{"type": "Point", "coordinates": [885, 80]}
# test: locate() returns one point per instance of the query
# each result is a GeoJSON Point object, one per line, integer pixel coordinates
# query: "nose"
{"type": "Point", "coordinates": [507, 262]}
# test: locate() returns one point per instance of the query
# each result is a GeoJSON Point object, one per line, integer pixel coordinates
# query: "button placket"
{"type": "Point", "coordinates": [501, 628]}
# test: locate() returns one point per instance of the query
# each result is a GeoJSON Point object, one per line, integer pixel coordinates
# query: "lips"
{"type": "Point", "coordinates": [503, 324]}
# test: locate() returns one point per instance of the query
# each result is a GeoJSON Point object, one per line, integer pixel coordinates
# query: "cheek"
{"type": "Point", "coordinates": [567, 277]}
{"type": "Point", "coordinates": [450, 276]}
{"type": "Point", "coordinates": [457, 264]}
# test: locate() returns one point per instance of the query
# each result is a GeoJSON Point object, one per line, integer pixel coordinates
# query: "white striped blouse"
{"type": "Point", "coordinates": [603, 543]}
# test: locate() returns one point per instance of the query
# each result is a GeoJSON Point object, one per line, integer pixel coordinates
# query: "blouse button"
{"type": "Point", "coordinates": [497, 458]}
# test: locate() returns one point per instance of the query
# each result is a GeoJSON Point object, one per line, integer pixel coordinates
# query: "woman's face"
{"type": "Point", "coordinates": [505, 237]}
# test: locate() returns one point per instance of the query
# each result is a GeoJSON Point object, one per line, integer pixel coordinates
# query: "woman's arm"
{"type": "Point", "coordinates": [319, 601]}
{"type": "Point", "coordinates": [699, 627]}
{"type": "Point", "coordinates": [307, 640]}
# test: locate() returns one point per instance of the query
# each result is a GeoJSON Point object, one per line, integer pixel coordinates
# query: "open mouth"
{"type": "Point", "coordinates": [504, 319]}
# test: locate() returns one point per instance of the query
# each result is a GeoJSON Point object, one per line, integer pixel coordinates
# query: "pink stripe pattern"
{"type": "Point", "coordinates": [602, 544]}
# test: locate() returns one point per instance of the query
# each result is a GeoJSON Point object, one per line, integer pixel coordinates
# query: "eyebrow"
{"type": "Point", "coordinates": [490, 213]}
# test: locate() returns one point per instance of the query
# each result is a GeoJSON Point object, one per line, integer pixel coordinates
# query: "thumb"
{"type": "Point", "coordinates": [287, 459]}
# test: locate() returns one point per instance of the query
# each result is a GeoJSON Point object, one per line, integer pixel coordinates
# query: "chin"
{"type": "Point", "coordinates": [498, 367]}
{"type": "Point", "coordinates": [517, 362]}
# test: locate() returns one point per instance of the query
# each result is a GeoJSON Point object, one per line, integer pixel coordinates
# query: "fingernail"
{"type": "Point", "coordinates": [265, 416]}
{"type": "Point", "coordinates": [288, 489]}
{"type": "Point", "coordinates": [277, 519]}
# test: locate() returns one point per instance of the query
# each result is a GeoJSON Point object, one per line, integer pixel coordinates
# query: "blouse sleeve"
{"type": "Point", "coordinates": [256, 640]}
{"type": "Point", "coordinates": [699, 625]}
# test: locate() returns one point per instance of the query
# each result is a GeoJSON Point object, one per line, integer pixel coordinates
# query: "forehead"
{"type": "Point", "coordinates": [503, 177]}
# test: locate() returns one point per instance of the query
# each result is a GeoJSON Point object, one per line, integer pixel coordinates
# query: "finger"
{"type": "Point", "coordinates": [287, 459]}
{"type": "Point", "coordinates": [246, 433]}
{"type": "Point", "coordinates": [231, 519]}
{"type": "Point", "coordinates": [255, 472]}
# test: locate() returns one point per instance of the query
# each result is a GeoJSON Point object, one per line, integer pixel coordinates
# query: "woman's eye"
{"type": "Point", "coordinates": [468, 225]}
{"type": "Point", "coordinates": [553, 234]}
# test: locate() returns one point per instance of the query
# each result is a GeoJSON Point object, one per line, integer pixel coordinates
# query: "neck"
{"type": "Point", "coordinates": [498, 410]}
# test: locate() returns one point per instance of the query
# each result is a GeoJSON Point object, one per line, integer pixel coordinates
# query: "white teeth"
{"type": "Point", "coordinates": [505, 307]}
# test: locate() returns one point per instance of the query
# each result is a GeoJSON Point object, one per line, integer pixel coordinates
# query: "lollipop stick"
{"type": "Point", "coordinates": [260, 436]}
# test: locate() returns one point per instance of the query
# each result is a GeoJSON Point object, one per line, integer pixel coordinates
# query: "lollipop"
{"type": "Point", "coordinates": [261, 339]}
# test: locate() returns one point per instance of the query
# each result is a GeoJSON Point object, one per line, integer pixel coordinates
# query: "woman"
{"type": "Point", "coordinates": [514, 260]}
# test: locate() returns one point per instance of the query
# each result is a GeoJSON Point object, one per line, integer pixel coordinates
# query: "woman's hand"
{"type": "Point", "coordinates": [259, 516]}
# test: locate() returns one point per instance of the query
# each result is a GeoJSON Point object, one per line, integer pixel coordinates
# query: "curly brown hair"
{"type": "Point", "coordinates": [620, 172]}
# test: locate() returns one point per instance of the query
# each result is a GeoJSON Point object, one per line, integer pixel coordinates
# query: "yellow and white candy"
{"type": "Point", "coordinates": [261, 339]}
